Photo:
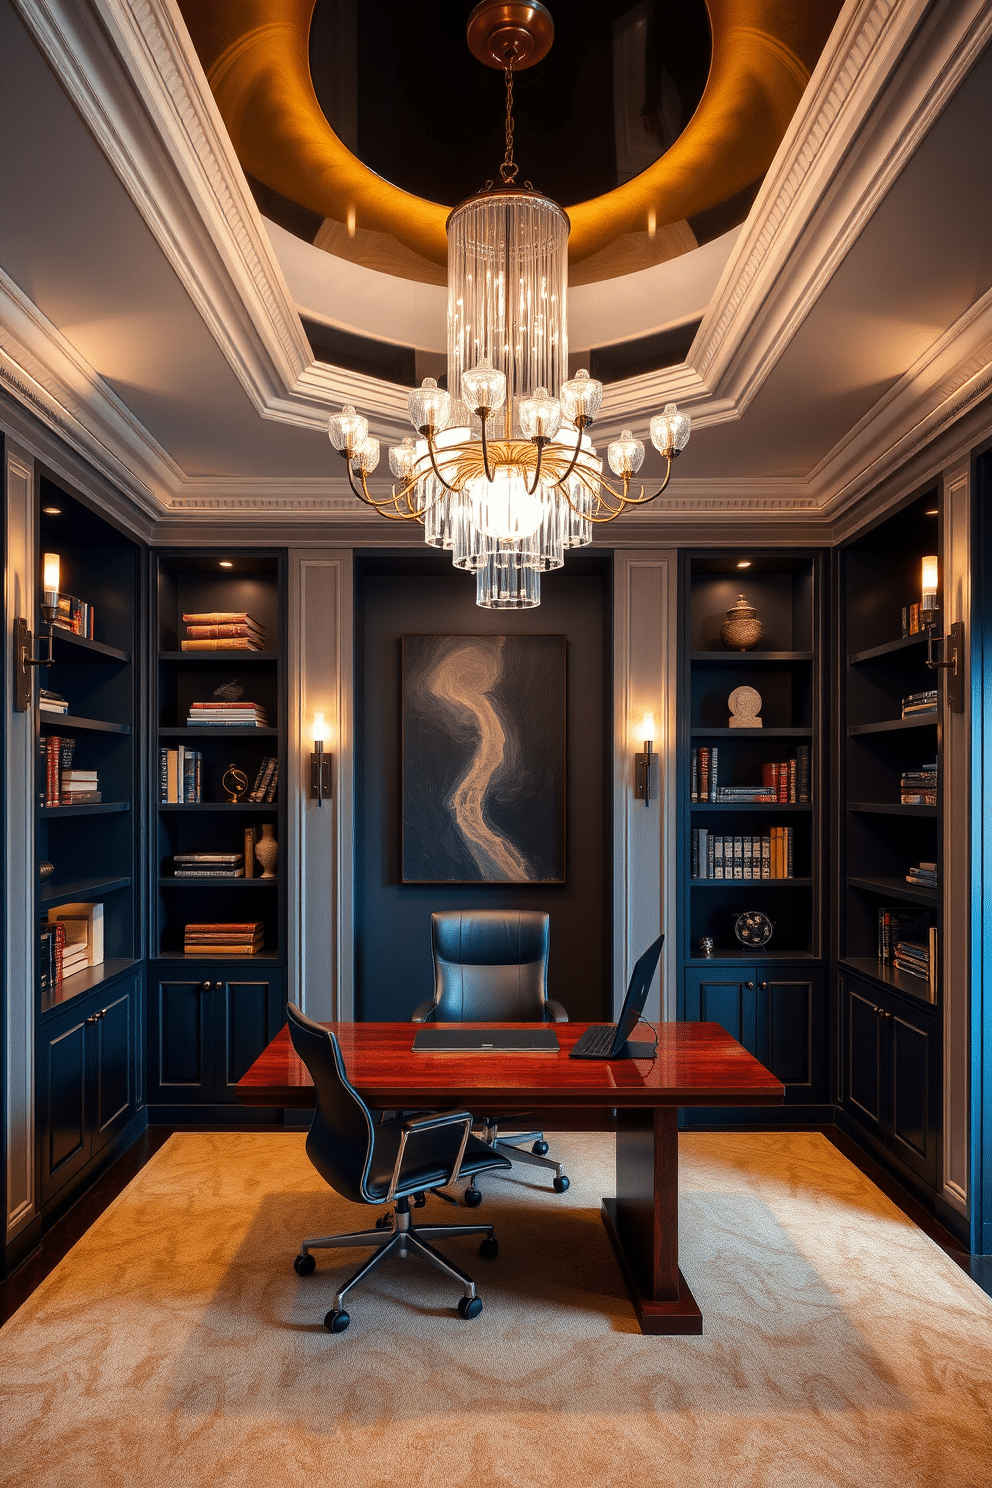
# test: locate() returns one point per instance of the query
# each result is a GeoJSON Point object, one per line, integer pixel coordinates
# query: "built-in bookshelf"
{"type": "Point", "coordinates": [92, 844]}
{"type": "Point", "coordinates": [752, 790]}
{"type": "Point", "coordinates": [202, 821]}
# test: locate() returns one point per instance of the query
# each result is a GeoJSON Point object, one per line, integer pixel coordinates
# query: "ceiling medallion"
{"type": "Point", "coordinates": [511, 498]}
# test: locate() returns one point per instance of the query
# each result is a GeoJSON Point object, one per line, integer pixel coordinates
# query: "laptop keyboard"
{"type": "Point", "coordinates": [596, 1040]}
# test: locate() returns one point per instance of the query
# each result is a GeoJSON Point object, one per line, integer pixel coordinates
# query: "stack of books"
{"type": "Point", "coordinates": [52, 702]}
{"type": "Point", "coordinates": [83, 935]}
{"type": "Point", "coordinates": [784, 781]}
{"type": "Point", "coordinates": [244, 938]}
{"type": "Point", "coordinates": [223, 630]}
{"type": "Point", "coordinates": [78, 787]}
{"type": "Point", "coordinates": [924, 875]}
{"type": "Point", "coordinates": [919, 702]}
{"type": "Point", "coordinates": [896, 924]}
{"type": "Point", "coordinates": [266, 780]}
{"type": "Point", "coordinates": [75, 616]}
{"type": "Point", "coordinates": [219, 714]}
{"type": "Point", "coordinates": [180, 775]}
{"type": "Point", "coordinates": [715, 855]}
{"type": "Point", "coordinates": [919, 787]}
{"type": "Point", "coordinates": [209, 865]}
{"type": "Point", "coordinates": [56, 759]}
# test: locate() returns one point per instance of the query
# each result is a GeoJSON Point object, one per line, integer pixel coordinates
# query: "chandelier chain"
{"type": "Point", "coordinates": [508, 170]}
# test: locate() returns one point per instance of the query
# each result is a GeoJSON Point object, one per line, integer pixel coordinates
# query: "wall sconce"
{"type": "Point", "coordinates": [953, 643]}
{"type": "Point", "coordinates": [320, 764]}
{"type": "Point", "coordinates": [644, 785]}
{"type": "Point", "coordinates": [24, 640]}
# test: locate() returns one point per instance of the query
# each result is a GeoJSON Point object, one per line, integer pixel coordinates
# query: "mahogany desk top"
{"type": "Point", "coordinates": [698, 1064]}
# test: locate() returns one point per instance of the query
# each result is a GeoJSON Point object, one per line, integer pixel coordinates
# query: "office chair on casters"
{"type": "Point", "coordinates": [491, 966]}
{"type": "Point", "coordinates": [388, 1162]}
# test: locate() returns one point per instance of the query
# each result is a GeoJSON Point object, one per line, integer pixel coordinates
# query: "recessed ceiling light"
{"type": "Point", "coordinates": [933, 512]}
{"type": "Point", "coordinates": [225, 563]}
{"type": "Point", "coordinates": [52, 511]}
{"type": "Point", "coordinates": [744, 563]}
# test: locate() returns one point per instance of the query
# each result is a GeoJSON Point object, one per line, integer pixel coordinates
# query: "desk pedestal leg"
{"type": "Point", "coordinates": [643, 1221]}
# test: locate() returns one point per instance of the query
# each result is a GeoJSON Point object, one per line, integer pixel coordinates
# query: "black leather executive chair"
{"type": "Point", "coordinates": [491, 966]}
{"type": "Point", "coordinates": [384, 1163]}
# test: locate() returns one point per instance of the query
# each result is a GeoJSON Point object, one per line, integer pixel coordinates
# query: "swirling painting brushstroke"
{"type": "Point", "coordinates": [483, 759]}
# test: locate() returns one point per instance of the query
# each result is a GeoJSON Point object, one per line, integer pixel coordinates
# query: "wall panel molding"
{"type": "Point", "coordinates": [320, 853]}
{"type": "Point", "coordinates": [645, 672]}
{"type": "Point", "coordinates": [19, 909]}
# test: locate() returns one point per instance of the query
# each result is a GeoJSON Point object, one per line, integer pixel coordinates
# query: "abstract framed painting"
{"type": "Point", "coordinates": [483, 759]}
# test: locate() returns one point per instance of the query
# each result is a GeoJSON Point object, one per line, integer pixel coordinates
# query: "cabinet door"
{"type": "Point", "coordinates": [248, 1013]}
{"type": "Point", "coordinates": [180, 1040]}
{"type": "Point", "coordinates": [63, 1099]}
{"type": "Point", "coordinates": [728, 998]}
{"type": "Point", "coordinates": [114, 1040]}
{"type": "Point", "coordinates": [791, 1041]}
{"type": "Point", "coordinates": [912, 1078]}
{"type": "Point", "coordinates": [864, 1073]}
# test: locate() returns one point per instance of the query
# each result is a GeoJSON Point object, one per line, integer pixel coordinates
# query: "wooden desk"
{"type": "Point", "coordinates": [698, 1064]}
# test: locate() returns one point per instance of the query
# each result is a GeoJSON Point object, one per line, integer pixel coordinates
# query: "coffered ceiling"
{"type": "Point", "coordinates": [150, 314]}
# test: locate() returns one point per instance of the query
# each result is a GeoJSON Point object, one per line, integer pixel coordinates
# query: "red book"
{"type": "Point", "coordinates": [222, 705]}
{"type": "Point", "coordinates": [769, 777]}
{"type": "Point", "coordinates": [783, 782]}
{"type": "Point", "coordinates": [52, 770]}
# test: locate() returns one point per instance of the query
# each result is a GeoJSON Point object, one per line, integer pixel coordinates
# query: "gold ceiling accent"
{"type": "Point", "coordinates": [254, 53]}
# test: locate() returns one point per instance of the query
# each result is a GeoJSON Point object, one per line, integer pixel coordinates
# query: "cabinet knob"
{"type": "Point", "coordinates": [879, 1012]}
{"type": "Point", "coordinates": [93, 1018]}
{"type": "Point", "coordinates": [749, 986]}
{"type": "Point", "coordinates": [763, 986]}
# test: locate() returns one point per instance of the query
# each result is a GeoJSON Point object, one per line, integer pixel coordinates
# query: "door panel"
{"type": "Point", "coordinates": [731, 1003]}
{"type": "Point", "coordinates": [865, 1031]}
{"type": "Point", "coordinates": [180, 1066]}
{"type": "Point", "coordinates": [248, 1014]}
{"type": "Point", "coordinates": [66, 1133]}
{"type": "Point", "coordinates": [792, 1047]}
{"type": "Point", "coordinates": [910, 1076]}
{"type": "Point", "coordinates": [114, 1092]}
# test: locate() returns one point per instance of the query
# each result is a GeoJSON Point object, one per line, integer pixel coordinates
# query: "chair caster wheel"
{"type": "Point", "coordinates": [560, 1183]}
{"type": "Point", "coordinates": [489, 1249]}
{"type": "Point", "coordinates": [335, 1321]}
{"type": "Point", "coordinates": [384, 1222]}
{"type": "Point", "coordinates": [540, 1149]}
{"type": "Point", "coordinates": [473, 1197]}
{"type": "Point", "coordinates": [468, 1307]}
{"type": "Point", "coordinates": [305, 1265]}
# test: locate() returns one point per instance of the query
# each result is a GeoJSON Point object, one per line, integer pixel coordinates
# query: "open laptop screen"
{"type": "Point", "coordinates": [637, 992]}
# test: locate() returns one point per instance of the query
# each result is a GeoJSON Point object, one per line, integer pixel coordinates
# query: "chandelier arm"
{"type": "Point", "coordinates": [430, 451]}
{"type": "Point", "coordinates": [485, 445]}
{"type": "Point", "coordinates": [580, 424]}
{"type": "Point", "coordinates": [668, 476]}
{"type": "Point", "coordinates": [537, 468]}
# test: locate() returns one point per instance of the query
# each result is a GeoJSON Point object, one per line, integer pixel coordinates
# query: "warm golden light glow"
{"type": "Point", "coordinates": [744, 563]}
{"type": "Point", "coordinates": [647, 728]}
{"type": "Point", "coordinates": [320, 730]}
{"type": "Point", "coordinates": [226, 563]}
{"type": "Point", "coordinates": [50, 582]}
{"type": "Point", "coordinates": [928, 582]}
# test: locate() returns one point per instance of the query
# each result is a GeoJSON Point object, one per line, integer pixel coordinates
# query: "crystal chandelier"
{"type": "Point", "coordinates": [506, 475]}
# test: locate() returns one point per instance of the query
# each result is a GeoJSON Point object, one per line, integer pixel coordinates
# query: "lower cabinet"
{"type": "Point", "coordinates": [891, 1071]}
{"type": "Point", "coordinates": [776, 1011]}
{"type": "Point", "coordinates": [87, 1079]}
{"type": "Point", "coordinates": [206, 1026]}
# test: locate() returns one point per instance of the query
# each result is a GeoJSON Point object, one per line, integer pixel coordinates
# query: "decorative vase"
{"type": "Point", "coordinates": [267, 851]}
{"type": "Point", "coordinates": [741, 631]}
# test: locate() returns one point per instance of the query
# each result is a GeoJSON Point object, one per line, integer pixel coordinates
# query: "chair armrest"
{"type": "Point", "coordinates": [558, 1013]}
{"type": "Point", "coordinates": [422, 1012]}
{"type": "Point", "coordinates": [433, 1121]}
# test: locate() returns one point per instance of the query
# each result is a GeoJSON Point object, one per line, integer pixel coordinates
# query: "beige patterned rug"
{"type": "Point", "coordinates": [175, 1345]}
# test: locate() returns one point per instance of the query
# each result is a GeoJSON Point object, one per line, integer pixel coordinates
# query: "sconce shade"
{"type": "Point", "coordinates": [928, 581]}
{"type": "Point", "coordinates": [647, 726]}
{"type": "Point", "coordinates": [50, 580]}
{"type": "Point", "coordinates": [319, 728]}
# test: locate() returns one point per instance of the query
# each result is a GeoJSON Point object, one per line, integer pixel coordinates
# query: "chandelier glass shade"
{"type": "Point", "coordinates": [503, 473]}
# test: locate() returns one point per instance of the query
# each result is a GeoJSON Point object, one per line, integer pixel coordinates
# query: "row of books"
{"type": "Point", "coordinates": [180, 775]}
{"type": "Point", "coordinates": [783, 781]}
{"type": "Point", "coordinates": [71, 941]}
{"type": "Point", "coordinates": [911, 619]}
{"type": "Point", "coordinates": [75, 616]}
{"type": "Point", "coordinates": [223, 630]}
{"type": "Point", "coordinates": [919, 702]}
{"type": "Point", "coordinates": [907, 941]}
{"type": "Point", "coordinates": [52, 702]}
{"type": "Point", "coordinates": [242, 938]}
{"type": "Point", "coordinates": [227, 715]}
{"type": "Point", "coordinates": [64, 784]}
{"type": "Point", "coordinates": [266, 780]}
{"type": "Point", "coordinates": [924, 875]}
{"type": "Point", "coordinates": [715, 855]}
{"type": "Point", "coordinates": [919, 787]}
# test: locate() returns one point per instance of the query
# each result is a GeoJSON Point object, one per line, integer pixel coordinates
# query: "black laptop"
{"type": "Point", "coordinates": [612, 1040]}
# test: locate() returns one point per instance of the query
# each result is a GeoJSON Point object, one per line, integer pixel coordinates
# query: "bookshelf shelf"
{"type": "Point", "coordinates": [87, 981]}
{"type": "Point", "coordinates": [53, 894]}
{"type": "Point", "coordinates": [218, 732]}
{"type": "Point", "coordinates": [740, 957]}
{"type": "Point", "coordinates": [893, 725]}
{"type": "Point", "coordinates": [169, 881]}
{"type": "Point", "coordinates": [85, 808]}
{"type": "Point", "coordinates": [220, 658]}
{"type": "Point", "coordinates": [891, 808]}
{"type": "Point", "coordinates": [877, 973]}
{"type": "Point", "coordinates": [762, 733]}
{"type": "Point", "coordinates": [727, 659]}
{"type": "Point", "coordinates": [79, 649]}
{"type": "Point", "coordinates": [896, 888]}
{"type": "Point", "coordinates": [888, 649]}
{"type": "Point", "coordinates": [62, 721]}
{"type": "Point", "coordinates": [235, 806]}
{"type": "Point", "coordinates": [222, 963]}
{"type": "Point", "coordinates": [767, 806]}
{"type": "Point", "coordinates": [765, 883]}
